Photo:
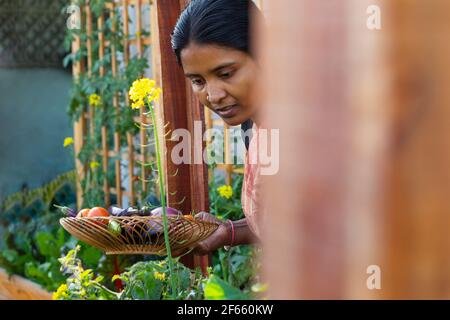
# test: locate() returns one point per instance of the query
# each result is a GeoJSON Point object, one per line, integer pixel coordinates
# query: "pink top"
{"type": "Point", "coordinates": [251, 186]}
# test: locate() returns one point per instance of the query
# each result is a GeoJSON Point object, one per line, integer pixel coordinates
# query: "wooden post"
{"type": "Point", "coordinates": [417, 220]}
{"type": "Point", "coordinates": [101, 54]}
{"type": "Point", "coordinates": [143, 130]}
{"type": "Point", "coordinates": [180, 110]}
{"type": "Point", "coordinates": [362, 189]}
{"type": "Point", "coordinates": [116, 106]}
{"type": "Point", "coordinates": [79, 127]}
{"type": "Point", "coordinates": [130, 143]}
{"type": "Point", "coordinates": [89, 61]}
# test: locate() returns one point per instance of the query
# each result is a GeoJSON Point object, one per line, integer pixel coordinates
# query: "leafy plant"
{"type": "Point", "coordinates": [150, 281]}
{"type": "Point", "coordinates": [239, 266]}
{"type": "Point", "coordinates": [145, 280]}
{"type": "Point", "coordinates": [82, 283]}
{"type": "Point", "coordinates": [32, 240]}
{"type": "Point", "coordinates": [217, 289]}
{"type": "Point", "coordinates": [224, 207]}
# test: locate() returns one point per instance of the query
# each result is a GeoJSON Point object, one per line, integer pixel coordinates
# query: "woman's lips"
{"type": "Point", "coordinates": [228, 112]}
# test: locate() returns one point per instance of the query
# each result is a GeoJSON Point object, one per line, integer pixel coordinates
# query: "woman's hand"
{"type": "Point", "coordinates": [220, 237]}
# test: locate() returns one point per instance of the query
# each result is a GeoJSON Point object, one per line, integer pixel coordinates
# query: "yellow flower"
{"type": "Point", "coordinates": [68, 141]}
{"type": "Point", "coordinates": [61, 292]}
{"type": "Point", "coordinates": [159, 275]}
{"type": "Point", "coordinates": [94, 164]}
{"type": "Point", "coordinates": [95, 100]}
{"type": "Point", "coordinates": [143, 91]}
{"type": "Point", "coordinates": [225, 191]}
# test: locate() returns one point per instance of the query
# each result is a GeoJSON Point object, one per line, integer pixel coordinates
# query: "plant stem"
{"type": "Point", "coordinates": [102, 287]}
{"type": "Point", "coordinates": [162, 193]}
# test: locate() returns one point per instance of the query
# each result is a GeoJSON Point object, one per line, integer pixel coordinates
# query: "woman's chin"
{"type": "Point", "coordinates": [234, 121]}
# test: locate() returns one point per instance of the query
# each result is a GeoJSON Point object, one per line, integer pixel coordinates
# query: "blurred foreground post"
{"type": "Point", "coordinates": [364, 178]}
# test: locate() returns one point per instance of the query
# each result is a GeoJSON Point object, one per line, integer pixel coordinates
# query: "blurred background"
{"type": "Point", "coordinates": [34, 89]}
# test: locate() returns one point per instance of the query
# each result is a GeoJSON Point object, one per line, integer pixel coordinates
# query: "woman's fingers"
{"type": "Point", "coordinates": [205, 216]}
{"type": "Point", "coordinates": [213, 242]}
{"type": "Point", "coordinates": [202, 215]}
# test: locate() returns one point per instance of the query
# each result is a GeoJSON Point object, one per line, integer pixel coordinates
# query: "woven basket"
{"type": "Point", "coordinates": [139, 235]}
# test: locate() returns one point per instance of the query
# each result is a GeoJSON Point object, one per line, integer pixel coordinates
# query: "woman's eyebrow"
{"type": "Point", "coordinates": [222, 66]}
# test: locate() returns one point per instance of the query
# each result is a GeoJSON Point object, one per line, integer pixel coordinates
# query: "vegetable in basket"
{"type": "Point", "coordinates": [68, 212]}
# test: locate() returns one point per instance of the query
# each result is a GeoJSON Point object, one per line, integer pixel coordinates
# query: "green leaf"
{"type": "Point", "coordinates": [217, 289]}
{"type": "Point", "coordinates": [34, 271]}
{"type": "Point", "coordinates": [67, 59]}
{"type": "Point", "coordinates": [46, 244]}
{"type": "Point", "coordinates": [9, 255]}
{"type": "Point", "coordinates": [90, 256]}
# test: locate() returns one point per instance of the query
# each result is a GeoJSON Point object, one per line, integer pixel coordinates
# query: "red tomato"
{"type": "Point", "coordinates": [99, 212]}
{"type": "Point", "coordinates": [83, 212]}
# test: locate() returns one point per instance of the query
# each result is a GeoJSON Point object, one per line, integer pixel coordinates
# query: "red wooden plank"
{"type": "Point", "coordinates": [180, 111]}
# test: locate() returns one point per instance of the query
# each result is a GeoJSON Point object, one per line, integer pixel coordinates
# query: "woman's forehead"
{"type": "Point", "coordinates": [205, 58]}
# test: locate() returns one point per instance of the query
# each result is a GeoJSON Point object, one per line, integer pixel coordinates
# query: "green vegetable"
{"type": "Point", "coordinates": [114, 227]}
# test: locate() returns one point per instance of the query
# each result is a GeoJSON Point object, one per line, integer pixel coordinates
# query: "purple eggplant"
{"type": "Point", "coordinates": [120, 212]}
{"type": "Point", "coordinates": [156, 227]}
{"type": "Point", "coordinates": [145, 211]}
{"type": "Point", "coordinates": [68, 212]}
{"type": "Point", "coordinates": [171, 212]}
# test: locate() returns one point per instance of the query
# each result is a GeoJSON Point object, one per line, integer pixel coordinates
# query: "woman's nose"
{"type": "Point", "coordinates": [215, 95]}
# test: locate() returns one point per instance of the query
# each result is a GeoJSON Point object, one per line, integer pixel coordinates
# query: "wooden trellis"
{"type": "Point", "coordinates": [86, 120]}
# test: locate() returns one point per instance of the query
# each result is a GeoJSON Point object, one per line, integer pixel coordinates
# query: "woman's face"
{"type": "Point", "coordinates": [223, 79]}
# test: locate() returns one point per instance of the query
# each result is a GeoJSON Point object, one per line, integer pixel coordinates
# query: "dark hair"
{"type": "Point", "coordinates": [221, 22]}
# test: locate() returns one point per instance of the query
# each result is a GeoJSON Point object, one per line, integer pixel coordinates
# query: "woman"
{"type": "Point", "coordinates": [211, 41]}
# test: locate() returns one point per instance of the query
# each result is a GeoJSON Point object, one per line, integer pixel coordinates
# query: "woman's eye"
{"type": "Point", "coordinates": [225, 75]}
{"type": "Point", "coordinates": [197, 82]}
